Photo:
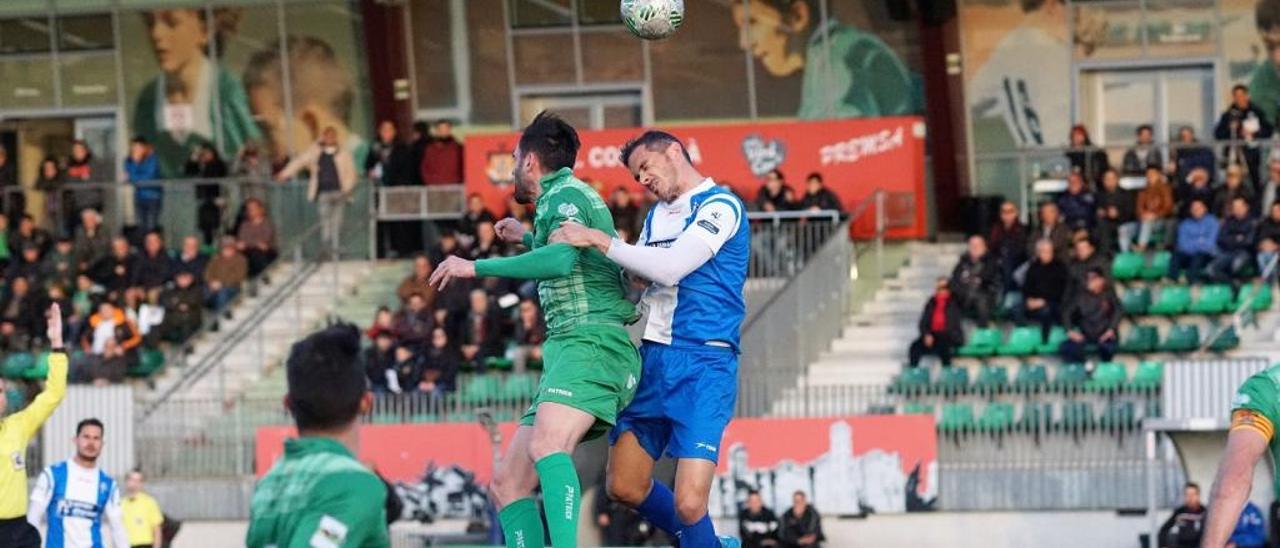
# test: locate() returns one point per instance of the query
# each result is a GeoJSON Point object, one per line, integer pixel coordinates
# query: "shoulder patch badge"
{"type": "Point", "coordinates": [568, 209]}
{"type": "Point", "coordinates": [330, 533]}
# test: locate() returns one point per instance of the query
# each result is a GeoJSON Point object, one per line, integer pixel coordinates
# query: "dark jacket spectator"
{"type": "Point", "coordinates": [1185, 526]}
{"type": "Point", "coordinates": [1197, 189]}
{"type": "Point", "coordinates": [116, 271]}
{"type": "Point", "coordinates": [29, 234]}
{"type": "Point", "coordinates": [390, 161]}
{"type": "Point", "coordinates": [801, 525]}
{"type": "Point", "coordinates": [153, 267]}
{"type": "Point", "coordinates": [1053, 229]}
{"type": "Point", "coordinates": [440, 364]}
{"type": "Point", "coordinates": [1117, 211]}
{"type": "Point", "coordinates": [21, 316]}
{"type": "Point", "coordinates": [417, 146]}
{"type": "Point", "coordinates": [82, 168]}
{"type": "Point", "coordinates": [757, 524]}
{"type": "Point", "coordinates": [481, 329]}
{"type": "Point", "coordinates": [92, 242]}
{"type": "Point", "coordinates": [59, 265]}
{"type": "Point", "coordinates": [817, 196]}
{"type": "Point", "coordinates": [1233, 187]}
{"type": "Point", "coordinates": [1091, 318]}
{"type": "Point", "coordinates": [1078, 206]}
{"type": "Point", "coordinates": [1243, 124]}
{"type": "Point", "coordinates": [1237, 234]}
{"type": "Point", "coordinates": [775, 195]}
{"type": "Point", "coordinates": [191, 259]}
{"type": "Point", "coordinates": [1117, 205]}
{"type": "Point", "coordinates": [183, 308]}
{"type": "Point", "coordinates": [941, 330]}
{"type": "Point", "coordinates": [476, 213]}
{"type": "Point", "coordinates": [1085, 257]}
{"type": "Point", "coordinates": [1045, 288]}
{"type": "Point", "coordinates": [378, 360]}
{"type": "Point", "coordinates": [1086, 160]}
{"type": "Point", "coordinates": [1143, 155]}
{"type": "Point", "coordinates": [408, 370]}
{"type": "Point", "coordinates": [414, 322]}
{"type": "Point", "coordinates": [628, 220]}
{"type": "Point", "coordinates": [1269, 228]}
{"type": "Point", "coordinates": [1190, 155]}
{"type": "Point", "coordinates": [1008, 241]}
{"type": "Point", "coordinates": [442, 157]}
{"type": "Point", "coordinates": [975, 281]}
{"type": "Point", "coordinates": [26, 265]}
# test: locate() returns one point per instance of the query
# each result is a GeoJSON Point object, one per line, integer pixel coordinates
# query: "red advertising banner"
{"type": "Point", "coordinates": [883, 463]}
{"type": "Point", "coordinates": [855, 157]}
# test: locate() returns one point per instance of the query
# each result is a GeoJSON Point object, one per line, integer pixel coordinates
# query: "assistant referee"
{"type": "Point", "coordinates": [16, 431]}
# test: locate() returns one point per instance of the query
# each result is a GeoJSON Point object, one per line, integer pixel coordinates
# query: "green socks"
{"type": "Point", "coordinates": [521, 524]}
{"type": "Point", "coordinates": [561, 497]}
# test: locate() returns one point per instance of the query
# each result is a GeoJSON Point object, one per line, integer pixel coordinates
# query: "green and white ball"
{"type": "Point", "coordinates": [652, 19]}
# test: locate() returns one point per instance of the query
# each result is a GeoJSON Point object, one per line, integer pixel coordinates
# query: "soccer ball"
{"type": "Point", "coordinates": [652, 19]}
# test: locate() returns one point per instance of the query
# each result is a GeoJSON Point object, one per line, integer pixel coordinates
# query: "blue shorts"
{"type": "Point", "coordinates": [684, 401]}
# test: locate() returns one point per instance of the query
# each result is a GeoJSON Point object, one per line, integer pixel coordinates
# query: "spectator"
{"type": "Point", "coordinates": [27, 266]}
{"type": "Point", "coordinates": [82, 299]}
{"type": "Point", "coordinates": [476, 213]}
{"type": "Point", "coordinates": [1046, 285]}
{"type": "Point", "coordinates": [224, 275]}
{"type": "Point", "coordinates": [1051, 228]}
{"type": "Point", "coordinates": [109, 342]}
{"type": "Point", "coordinates": [818, 197]}
{"type": "Point", "coordinates": [440, 366]}
{"type": "Point", "coordinates": [333, 178]}
{"type": "Point", "coordinates": [250, 164]}
{"type": "Point", "coordinates": [775, 195]}
{"type": "Point", "coordinates": [1190, 155]}
{"type": "Point", "coordinates": [256, 238]}
{"type": "Point", "coordinates": [191, 258]}
{"type": "Point", "coordinates": [1009, 241]}
{"type": "Point", "coordinates": [1155, 206]}
{"type": "Point", "coordinates": [59, 266]}
{"type": "Point", "coordinates": [1197, 244]}
{"type": "Point", "coordinates": [1143, 155]}
{"type": "Point", "coordinates": [379, 360]}
{"type": "Point", "coordinates": [801, 525]}
{"type": "Point", "coordinates": [1077, 204]}
{"type": "Point", "coordinates": [416, 283]}
{"type": "Point", "coordinates": [1086, 160]}
{"type": "Point", "coordinates": [1233, 188]}
{"type": "Point", "coordinates": [941, 331]}
{"type": "Point", "coordinates": [1117, 210]}
{"type": "Point", "coordinates": [183, 308]}
{"type": "Point", "coordinates": [83, 169]}
{"type": "Point", "coordinates": [530, 333]}
{"type": "Point", "coordinates": [49, 181]}
{"type": "Point", "coordinates": [383, 322]}
{"type": "Point", "coordinates": [627, 217]}
{"type": "Point", "coordinates": [757, 525]}
{"type": "Point", "coordinates": [1244, 125]}
{"type": "Point", "coordinates": [421, 134]}
{"type": "Point", "coordinates": [481, 331]}
{"type": "Point", "coordinates": [1235, 243]}
{"type": "Point", "coordinates": [487, 245]}
{"type": "Point", "coordinates": [21, 316]}
{"type": "Point", "coordinates": [29, 234]}
{"type": "Point", "coordinates": [92, 242]}
{"type": "Point", "coordinates": [116, 271]}
{"type": "Point", "coordinates": [1269, 240]}
{"type": "Point", "coordinates": [153, 267]}
{"type": "Point", "coordinates": [1198, 188]}
{"type": "Point", "coordinates": [206, 164]}
{"type": "Point", "coordinates": [143, 520]}
{"type": "Point", "coordinates": [1251, 529]}
{"type": "Point", "coordinates": [1269, 190]}
{"type": "Point", "coordinates": [1085, 257]}
{"type": "Point", "coordinates": [442, 156]}
{"type": "Point", "coordinates": [414, 322]}
{"type": "Point", "coordinates": [4, 241]}
{"type": "Point", "coordinates": [389, 161]}
{"type": "Point", "coordinates": [975, 282]}
{"type": "Point", "coordinates": [1184, 527]}
{"type": "Point", "coordinates": [15, 201]}
{"type": "Point", "coordinates": [140, 169]}
{"type": "Point", "coordinates": [1092, 317]}
{"type": "Point", "coordinates": [447, 247]}
{"type": "Point", "coordinates": [408, 371]}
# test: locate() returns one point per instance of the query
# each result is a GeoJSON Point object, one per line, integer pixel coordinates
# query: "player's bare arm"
{"type": "Point", "coordinates": [1245, 446]}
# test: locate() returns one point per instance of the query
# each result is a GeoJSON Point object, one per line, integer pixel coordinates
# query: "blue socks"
{"type": "Point", "coordinates": [659, 509]}
{"type": "Point", "coordinates": [701, 534]}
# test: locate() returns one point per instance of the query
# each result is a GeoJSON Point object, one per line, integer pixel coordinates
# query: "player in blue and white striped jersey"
{"type": "Point", "coordinates": [74, 498]}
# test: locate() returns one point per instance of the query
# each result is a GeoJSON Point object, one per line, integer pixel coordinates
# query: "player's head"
{"type": "Point", "coordinates": [547, 145]}
{"type": "Point", "coordinates": [655, 159]}
{"type": "Point", "coordinates": [1191, 494]}
{"type": "Point", "coordinates": [89, 440]}
{"type": "Point", "coordinates": [754, 501]}
{"type": "Point", "coordinates": [133, 482]}
{"type": "Point", "coordinates": [327, 388]}
{"type": "Point", "coordinates": [776, 32]}
{"type": "Point", "coordinates": [323, 92]}
{"type": "Point", "coordinates": [1267, 17]}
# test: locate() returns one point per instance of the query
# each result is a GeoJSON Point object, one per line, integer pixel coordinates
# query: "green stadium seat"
{"type": "Point", "coordinates": [1262, 300]}
{"type": "Point", "coordinates": [1136, 300]}
{"type": "Point", "coordinates": [917, 408]}
{"type": "Point", "coordinates": [1031, 378]}
{"type": "Point", "coordinates": [1172, 300]}
{"type": "Point", "coordinates": [149, 362]}
{"type": "Point", "coordinates": [956, 417]}
{"type": "Point", "coordinates": [997, 417]}
{"type": "Point", "coordinates": [1181, 338]}
{"type": "Point", "coordinates": [480, 389]}
{"type": "Point", "coordinates": [1036, 416]}
{"type": "Point", "coordinates": [982, 342]}
{"type": "Point", "coordinates": [1108, 377]}
{"type": "Point", "coordinates": [1147, 377]}
{"type": "Point", "coordinates": [424, 417]}
{"type": "Point", "coordinates": [952, 380]}
{"type": "Point", "coordinates": [1158, 267]}
{"type": "Point", "coordinates": [1222, 342]}
{"type": "Point", "coordinates": [1213, 299]}
{"type": "Point", "coordinates": [1151, 407]}
{"type": "Point", "coordinates": [1070, 377]}
{"type": "Point", "coordinates": [1076, 415]}
{"type": "Point", "coordinates": [519, 387]}
{"type": "Point", "coordinates": [1119, 415]}
{"type": "Point", "coordinates": [1127, 266]}
{"type": "Point", "coordinates": [498, 364]}
{"type": "Point", "coordinates": [1140, 339]}
{"type": "Point", "coordinates": [992, 379]}
{"type": "Point", "coordinates": [1023, 341]}
{"type": "Point", "coordinates": [16, 364]}
{"type": "Point", "coordinates": [912, 380]}
{"type": "Point", "coordinates": [1057, 336]}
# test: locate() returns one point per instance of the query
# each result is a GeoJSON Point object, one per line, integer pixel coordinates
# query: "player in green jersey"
{"type": "Point", "coordinates": [1255, 412]}
{"type": "Point", "coordinates": [318, 494]}
{"type": "Point", "coordinates": [591, 368]}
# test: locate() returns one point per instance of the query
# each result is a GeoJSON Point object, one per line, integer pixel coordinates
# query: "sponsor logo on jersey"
{"type": "Point", "coordinates": [330, 533]}
{"type": "Point", "coordinates": [709, 226]}
{"type": "Point", "coordinates": [68, 508]}
{"type": "Point", "coordinates": [560, 392]}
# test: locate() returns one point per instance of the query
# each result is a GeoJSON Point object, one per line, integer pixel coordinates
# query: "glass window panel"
{"type": "Point", "coordinates": [622, 116]}
{"type": "Point", "coordinates": [487, 56]}
{"type": "Point", "coordinates": [24, 7]}
{"type": "Point", "coordinates": [1108, 31]}
{"type": "Point", "coordinates": [85, 32]}
{"type": "Point", "coordinates": [612, 57]}
{"type": "Point", "coordinates": [541, 13]}
{"type": "Point", "coordinates": [1128, 101]}
{"type": "Point", "coordinates": [598, 12]}
{"type": "Point", "coordinates": [1181, 27]}
{"type": "Point", "coordinates": [715, 87]}
{"type": "Point", "coordinates": [24, 35]}
{"type": "Point", "coordinates": [26, 83]}
{"type": "Point", "coordinates": [432, 43]}
{"type": "Point", "coordinates": [544, 59]}
{"type": "Point", "coordinates": [88, 79]}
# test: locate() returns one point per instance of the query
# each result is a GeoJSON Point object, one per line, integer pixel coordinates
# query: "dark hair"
{"type": "Point", "coordinates": [652, 141]}
{"type": "Point", "coordinates": [421, 126]}
{"type": "Point", "coordinates": [752, 493]}
{"type": "Point", "coordinates": [1239, 87]}
{"type": "Point", "coordinates": [138, 140]}
{"type": "Point", "coordinates": [1095, 271]}
{"type": "Point", "coordinates": [1192, 485]}
{"type": "Point", "coordinates": [814, 175]}
{"type": "Point", "coordinates": [778, 173]}
{"type": "Point", "coordinates": [552, 140]}
{"type": "Point", "coordinates": [1029, 6]}
{"type": "Point", "coordinates": [1200, 201]}
{"type": "Point", "coordinates": [1267, 14]}
{"type": "Point", "coordinates": [326, 382]}
{"type": "Point", "coordinates": [89, 422]}
{"type": "Point", "coordinates": [1144, 127]}
{"type": "Point", "coordinates": [442, 121]}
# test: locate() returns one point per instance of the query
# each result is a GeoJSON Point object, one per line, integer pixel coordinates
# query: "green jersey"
{"type": "Point", "coordinates": [318, 495]}
{"type": "Point", "coordinates": [577, 287]}
{"type": "Point", "coordinates": [1256, 407]}
{"type": "Point", "coordinates": [1264, 90]}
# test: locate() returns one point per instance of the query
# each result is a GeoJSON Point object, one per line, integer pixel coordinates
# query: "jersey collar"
{"type": "Point", "coordinates": [551, 180]}
{"type": "Point", "coordinates": [705, 185]}
{"type": "Point", "coordinates": [315, 444]}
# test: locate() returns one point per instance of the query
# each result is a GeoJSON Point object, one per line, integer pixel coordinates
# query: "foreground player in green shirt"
{"type": "Point", "coordinates": [591, 368]}
{"type": "Point", "coordinates": [318, 495]}
{"type": "Point", "coordinates": [1254, 415]}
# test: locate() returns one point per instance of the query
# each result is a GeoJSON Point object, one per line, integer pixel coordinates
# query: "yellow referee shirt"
{"type": "Point", "coordinates": [16, 431]}
{"type": "Point", "coordinates": [141, 517]}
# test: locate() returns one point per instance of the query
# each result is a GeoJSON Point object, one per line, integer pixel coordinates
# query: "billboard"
{"type": "Point", "coordinates": [855, 157]}
{"type": "Point", "coordinates": [847, 465]}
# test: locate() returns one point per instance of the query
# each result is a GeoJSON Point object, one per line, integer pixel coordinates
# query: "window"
{"type": "Point", "coordinates": [24, 35]}
{"type": "Point", "coordinates": [432, 43]}
{"type": "Point", "coordinates": [85, 33]}
{"type": "Point", "coordinates": [541, 13]}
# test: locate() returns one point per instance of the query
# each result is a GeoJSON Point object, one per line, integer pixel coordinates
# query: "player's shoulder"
{"type": "Point", "coordinates": [718, 197]}
{"type": "Point", "coordinates": [1261, 388]}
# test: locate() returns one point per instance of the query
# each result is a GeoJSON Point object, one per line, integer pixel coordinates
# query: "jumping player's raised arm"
{"type": "Point", "coordinates": [1253, 420]}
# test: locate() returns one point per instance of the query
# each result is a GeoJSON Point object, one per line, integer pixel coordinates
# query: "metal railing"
{"type": "Point", "coordinates": [782, 242]}
{"type": "Point", "coordinates": [421, 203]}
{"type": "Point", "coordinates": [1244, 313]}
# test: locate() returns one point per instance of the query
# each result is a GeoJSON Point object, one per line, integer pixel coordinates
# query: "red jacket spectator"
{"type": "Point", "coordinates": [442, 157]}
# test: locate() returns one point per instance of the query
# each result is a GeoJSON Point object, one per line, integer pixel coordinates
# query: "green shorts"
{"type": "Point", "coordinates": [592, 368]}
